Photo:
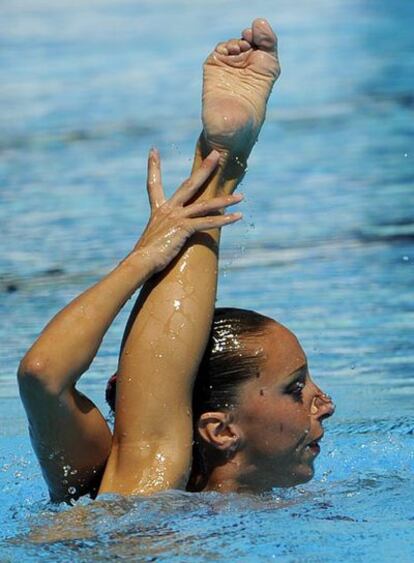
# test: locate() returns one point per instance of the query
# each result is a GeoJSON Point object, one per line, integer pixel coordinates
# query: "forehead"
{"type": "Point", "coordinates": [282, 353]}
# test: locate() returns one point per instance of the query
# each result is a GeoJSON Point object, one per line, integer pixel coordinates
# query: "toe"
{"type": "Point", "coordinates": [221, 48]}
{"type": "Point", "coordinates": [248, 35]}
{"type": "Point", "coordinates": [244, 45]}
{"type": "Point", "coordinates": [233, 47]}
{"type": "Point", "coordinates": [263, 36]}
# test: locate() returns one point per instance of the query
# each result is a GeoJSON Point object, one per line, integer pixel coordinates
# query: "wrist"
{"type": "Point", "coordinates": [140, 262]}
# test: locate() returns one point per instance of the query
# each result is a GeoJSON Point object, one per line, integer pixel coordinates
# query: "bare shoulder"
{"type": "Point", "coordinates": [70, 437]}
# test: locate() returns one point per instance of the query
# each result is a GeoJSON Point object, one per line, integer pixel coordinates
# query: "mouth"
{"type": "Point", "coordinates": [314, 446]}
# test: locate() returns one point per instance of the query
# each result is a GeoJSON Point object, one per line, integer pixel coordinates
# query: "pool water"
{"type": "Point", "coordinates": [326, 247]}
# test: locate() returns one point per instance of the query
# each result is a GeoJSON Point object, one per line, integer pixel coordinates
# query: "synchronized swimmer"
{"type": "Point", "coordinates": [204, 398]}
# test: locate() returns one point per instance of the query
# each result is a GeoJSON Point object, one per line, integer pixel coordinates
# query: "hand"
{"type": "Point", "coordinates": [174, 220]}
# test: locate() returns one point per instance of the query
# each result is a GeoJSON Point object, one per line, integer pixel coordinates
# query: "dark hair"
{"type": "Point", "coordinates": [228, 360]}
{"type": "Point", "coordinates": [110, 391]}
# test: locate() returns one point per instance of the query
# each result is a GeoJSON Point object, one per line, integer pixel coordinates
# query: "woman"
{"type": "Point", "coordinates": [257, 421]}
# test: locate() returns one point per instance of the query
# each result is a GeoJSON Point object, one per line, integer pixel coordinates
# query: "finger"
{"type": "Point", "coordinates": [190, 187]}
{"type": "Point", "coordinates": [209, 206]}
{"type": "Point", "coordinates": [215, 221]}
{"type": "Point", "coordinates": [154, 182]}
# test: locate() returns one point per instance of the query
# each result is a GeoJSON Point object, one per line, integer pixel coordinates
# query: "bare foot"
{"type": "Point", "coordinates": [238, 79]}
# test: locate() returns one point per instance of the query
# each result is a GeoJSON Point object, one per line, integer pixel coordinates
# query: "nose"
{"type": "Point", "coordinates": [322, 406]}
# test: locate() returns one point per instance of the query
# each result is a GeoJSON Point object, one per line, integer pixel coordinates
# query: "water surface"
{"type": "Point", "coordinates": [326, 248]}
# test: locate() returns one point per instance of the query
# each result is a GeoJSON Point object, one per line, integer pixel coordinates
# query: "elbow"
{"type": "Point", "coordinates": [32, 374]}
{"type": "Point", "coordinates": [31, 367]}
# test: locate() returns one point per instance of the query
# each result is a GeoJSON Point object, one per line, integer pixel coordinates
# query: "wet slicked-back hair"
{"type": "Point", "coordinates": [230, 359]}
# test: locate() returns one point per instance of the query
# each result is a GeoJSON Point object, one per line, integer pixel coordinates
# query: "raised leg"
{"type": "Point", "coordinates": [168, 330]}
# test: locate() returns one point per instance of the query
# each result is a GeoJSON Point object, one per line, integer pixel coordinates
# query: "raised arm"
{"type": "Point", "coordinates": [69, 434]}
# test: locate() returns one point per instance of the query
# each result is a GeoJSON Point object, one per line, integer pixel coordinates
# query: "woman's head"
{"type": "Point", "coordinates": [257, 412]}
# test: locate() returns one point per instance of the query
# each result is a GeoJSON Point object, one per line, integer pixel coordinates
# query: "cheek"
{"type": "Point", "coordinates": [292, 426]}
{"type": "Point", "coordinates": [276, 424]}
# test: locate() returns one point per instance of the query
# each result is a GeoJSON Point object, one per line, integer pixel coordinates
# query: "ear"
{"type": "Point", "coordinates": [219, 430]}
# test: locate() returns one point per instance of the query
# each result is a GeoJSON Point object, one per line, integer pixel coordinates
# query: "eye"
{"type": "Point", "coordinates": [295, 389]}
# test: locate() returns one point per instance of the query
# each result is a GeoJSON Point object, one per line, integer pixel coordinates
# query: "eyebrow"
{"type": "Point", "coordinates": [302, 371]}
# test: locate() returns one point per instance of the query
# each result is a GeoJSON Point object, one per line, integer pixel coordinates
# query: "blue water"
{"type": "Point", "coordinates": [326, 248]}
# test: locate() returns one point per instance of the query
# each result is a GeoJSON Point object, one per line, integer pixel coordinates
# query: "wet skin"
{"type": "Point", "coordinates": [280, 415]}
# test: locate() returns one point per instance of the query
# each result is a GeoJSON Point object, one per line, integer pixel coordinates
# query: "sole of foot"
{"type": "Point", "coordinates": [238, 79]}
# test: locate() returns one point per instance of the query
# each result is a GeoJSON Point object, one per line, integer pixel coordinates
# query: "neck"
{"type": "Point", "coordinates": [224, 479]}
{"type": "Point", "coordinates": [224, 475]}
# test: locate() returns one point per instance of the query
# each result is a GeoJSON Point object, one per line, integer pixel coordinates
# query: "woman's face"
{"type": "Point", "coordinates": [280, 415]}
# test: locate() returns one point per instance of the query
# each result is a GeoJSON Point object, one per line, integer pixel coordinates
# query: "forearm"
{"type": "Point", "coordinates": [69, 343]}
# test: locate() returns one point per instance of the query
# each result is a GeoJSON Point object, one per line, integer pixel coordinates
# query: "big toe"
{"type": "Point", "coordinates": [263, 36]}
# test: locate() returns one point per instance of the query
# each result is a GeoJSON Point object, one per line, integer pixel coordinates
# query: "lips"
{"type": "Point", "coordinates": [314, 445]}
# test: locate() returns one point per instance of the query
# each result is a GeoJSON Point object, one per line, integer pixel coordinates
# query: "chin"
{"type": "Point", "coordinates": [307, 474]}
{"type": "Point", "coordinates": [301, 475]}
